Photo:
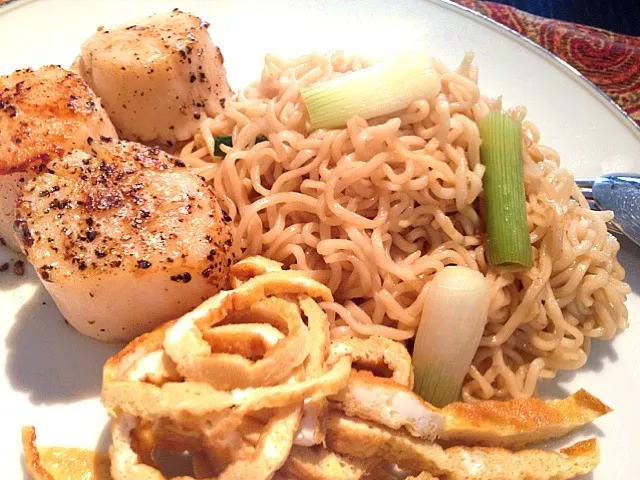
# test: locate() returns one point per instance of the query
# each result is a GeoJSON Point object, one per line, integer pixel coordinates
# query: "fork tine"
{"type": "Point", "coordinates": [585, 183]}
{"type": "Point", "coordinates": [613, 228]}
{"type": "Point", "coordinates": [593, 205]}
{"type": "Point", "coordinates": [586, 188]}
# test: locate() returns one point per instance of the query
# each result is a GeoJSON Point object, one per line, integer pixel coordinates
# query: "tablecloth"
{"type": "Point", "coordinates": [609, 60]}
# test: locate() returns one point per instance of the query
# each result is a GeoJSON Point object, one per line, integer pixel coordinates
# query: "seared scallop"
{"type": "Point", "coordinates": [124, 237]}
{"type": "Point", "coordinates": [43, 115]}
{"type": "Point", "coordinates": [157, 76]}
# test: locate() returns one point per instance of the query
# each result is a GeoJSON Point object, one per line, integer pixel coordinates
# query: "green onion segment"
{"type": "Point", "coordinates": [504, 196]}
{"type": "Point", "coordinates": [222, 140]}
{"type": "Point", "coordinates": [380, 89]}
{"type": "Point", "coordinates": [453, 319]}
{"type": "Point", "coordinates": [226, 140]}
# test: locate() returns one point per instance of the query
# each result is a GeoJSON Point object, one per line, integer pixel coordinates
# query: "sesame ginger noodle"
{"type": "Point", "coordinates": [375, 209]}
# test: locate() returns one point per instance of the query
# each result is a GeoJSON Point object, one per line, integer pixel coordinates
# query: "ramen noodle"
{"type": "Point", "coordinates": [375, 209]}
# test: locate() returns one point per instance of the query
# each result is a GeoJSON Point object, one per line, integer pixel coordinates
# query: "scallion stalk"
{"type": "Point", "coordinates": [453, 319]}
{"type": "Point", "coordinates": [226, 140]}
{"type": "Point", "coordinates": [380, 89]}
{"type": "Point", "coordinates": [222, 140]}
{"type": "Point", "coordinates": [504, 196]}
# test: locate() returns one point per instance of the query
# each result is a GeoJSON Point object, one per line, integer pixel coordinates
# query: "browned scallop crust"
{"type": "Point", "coordinates": [158, 76]}
{"type": "Point", "coordinates": [122, 208]}
{"type": "Point", "coordinates": [44, 114]}
{"type": "Point", "coordinates": [124, 237]}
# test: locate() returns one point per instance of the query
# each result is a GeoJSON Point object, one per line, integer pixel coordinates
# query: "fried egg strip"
{"type": "Point", "coordinates": [362, 439]}
{"type": "Point", "coordinates": [185, 344]}
{"type": "Point", "coordinates": [311, 428]}
{"type": "Point", "coordinates": [518, 422]}
{"type": "Point", "coordinates": [51, 463]}
{"type": "Point", "coordinates": [378, 355]}
{"type": "Point", "coordinates": [272, 450]}
{"type": "Point", "coordinates": [319, 463]}
{"type": "Point", "coordinates": [175, 399]}
{"type": "Point", "coordinates": [387, 403]}
{"type": "Point", "coordinates": [495, 463]}
{"type": "Point", "coordinates": [250, 267]}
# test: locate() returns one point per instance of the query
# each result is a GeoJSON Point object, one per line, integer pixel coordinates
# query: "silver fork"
{"type": "Point", "coordinates": [620, 193]}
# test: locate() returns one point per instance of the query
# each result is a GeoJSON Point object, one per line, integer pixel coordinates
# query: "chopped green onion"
{"type": "Point", "coordinates": [380, 89]}
{"type": "Point", "coordinates": [504, 197]}
{"type": "Point", "coordinates": [453, 318]}
{"type": "Point", "coordinates": [226, 140]}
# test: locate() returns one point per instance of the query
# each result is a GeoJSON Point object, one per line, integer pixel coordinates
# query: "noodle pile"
{"type": "Point", "coordinates": [374, 210]}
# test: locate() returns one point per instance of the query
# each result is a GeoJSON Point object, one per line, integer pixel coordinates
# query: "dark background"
{"type": "Point", "coordinates": [622, 16]}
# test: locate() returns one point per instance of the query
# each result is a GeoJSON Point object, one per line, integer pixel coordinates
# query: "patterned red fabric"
{"type": "Point", "coordinates": [609, 60]}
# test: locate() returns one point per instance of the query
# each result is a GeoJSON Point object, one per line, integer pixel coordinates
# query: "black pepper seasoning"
{"type": "Point", "coordinates": [206, 273]}
{"type": "Point", "coordinates": [144, 264]}
{"type": "Point", "coordinates": [182, 277]}
{"type": "Point", "coordinates": [44, 272]}
{"type": "Point", "coordinates": [18, 268]}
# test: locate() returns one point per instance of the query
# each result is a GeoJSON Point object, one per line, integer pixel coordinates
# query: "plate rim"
{"type": "Point", "coordinates": [622, 119]}
{"type": "Point", "coordinates": [552, 58]}
{"type": "Point", "coordinates": [7, 5]}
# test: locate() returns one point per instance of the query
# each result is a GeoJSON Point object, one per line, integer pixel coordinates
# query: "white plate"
{"type": "Point", "coordinates": [50, 376]}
